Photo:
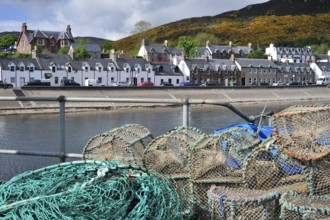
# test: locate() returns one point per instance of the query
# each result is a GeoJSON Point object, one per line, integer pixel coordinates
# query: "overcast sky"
{"type": "Point", "coordinates": [110, 19]}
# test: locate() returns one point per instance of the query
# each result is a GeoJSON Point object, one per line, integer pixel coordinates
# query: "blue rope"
{"type": "Point", "coordinates": [222, 208]}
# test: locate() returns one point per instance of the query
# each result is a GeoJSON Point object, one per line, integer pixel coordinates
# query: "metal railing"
{"type": "Point", "coordinates": [62, 154]}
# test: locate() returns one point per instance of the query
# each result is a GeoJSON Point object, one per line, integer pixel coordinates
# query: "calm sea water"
{"type": "Point", "coordinates": [41, 132]}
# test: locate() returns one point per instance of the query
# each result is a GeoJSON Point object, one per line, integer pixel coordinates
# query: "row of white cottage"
{"type": "Point", "coordinates": [56, 67]}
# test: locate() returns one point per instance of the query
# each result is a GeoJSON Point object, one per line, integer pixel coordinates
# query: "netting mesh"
{"type": "Point", "coordinates": [304, 131]}
{"type": "Point", "coordinates": [93, 190]}
{"type": "Point", "coordinates": [241, 203]}
{"type": "Point", "coordinates": [266, 168]}
{"type": "Point", "coordinates": [296, 206]}
{"type": "Point", "coordinates": [125, 144]}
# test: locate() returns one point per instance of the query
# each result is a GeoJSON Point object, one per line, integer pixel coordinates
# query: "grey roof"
{"type": "Point", "coordinates": [324, 66]}
{"type": "Point", "coordinates": [294, 67]}
{"type": "Point", "coordinates": [60, 60]}
{"type": "Point", "coordinates": [294, 50]}
{"type": "Point", "coordinates": [92, 63]}
{"type": "Point", "coordinates": [5, 62]}
{"type": "Point", "coordinates": [89, 47]}
{"type": "Point", "coordinates": [57, 35]}
{"type": "Point", "coordinates": [255, 63]}
{"type": "Point", "coordinates": [160, 48]}
{"type": "Point", "coordinates": [132, 62]}
{"type": "Point", "coordinates": [321, 57]}
{"type": "Point", "coordinates": [196, 63]}
{"type": "Point", "coordinates": [220, 48]}
{"type": "Point", "coordinates": [223, 64]}
{"type": "Point", "coordinates": [168, 70]}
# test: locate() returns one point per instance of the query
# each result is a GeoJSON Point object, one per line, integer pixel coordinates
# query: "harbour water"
{"type": "Point", "coordinates": [42, 132]}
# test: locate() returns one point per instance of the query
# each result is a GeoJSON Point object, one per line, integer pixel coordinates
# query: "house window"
{"type": "Point", "coordinates": [176, 69]}
{"type": "Point", "coordinates": [112, 79]}
{"type": "Point", "coordinates": [99, 79]}
{"type": "Point", "coordinates": [112, 69]}
{"type": "Point", "coordinates": [161, 69]}
{"type": "Point", "coordinates": [127, 79]}
{"type": "Point", "coordinates": [69, 69]}
{"type": "Point", "coordinates": [149, 79]}
{"type": "Point", "coordinates": [12, 68]}
{"type": "Point", "coordinates": [138, 70]}
{"type": "Point", "coordinates": [250, 80]}
{"type": "Point", "coordinates": [148, 70]}
{"type": "Point", "coordinates": [99, 68]}
{"type": "Point", "coordinates": [40, 41]}
{"type": "Point", "coordinates": [12, 80]}
{"type": "Point", "coordinates": [21, 68]}
{"type": "Point", "coordinates": [126, 70]}
{"type": "Point", "coordinates": [161, 81]}
{"type": "Point", "coordinates": [177, 81]}
{"type": "Point", "coordinates": [31, 79]}
{"type": "Point", "coordinates": [56, 80]}
{"type": "Point", "coordinates": [142, 80]}
{"type": "Point", "coordinates": [86, 69]}
{"type": "Point", "coordinates": [53, 69]}
{"type": "Point", "coordinates": [31, 69]}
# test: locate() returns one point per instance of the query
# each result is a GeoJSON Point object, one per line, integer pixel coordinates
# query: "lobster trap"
{"type": "Point", "coordinates": [125, 144]}
{"type": "Point", "coordinates": [240, 203]}
{"type": "Point", "coordinates": [304, 131]}
{"type": "Point", "coordinates": [296, 206]}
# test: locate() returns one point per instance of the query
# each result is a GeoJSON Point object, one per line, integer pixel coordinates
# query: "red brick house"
{"type": "Point", "coordinates": [48, 41]}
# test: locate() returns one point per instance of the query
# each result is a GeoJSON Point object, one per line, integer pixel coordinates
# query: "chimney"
{"type": "Point", "coordinates": [232, 57]}
{"type": "Point", "coordinates": [230, 43]}
{"type": "Point", "coordinates": [143, 43]}
{"type": "Point", "coordinates": [165, 43]}
{"type": "Point", "coordinates": [24, 27]}
{"type": "Point", "coordinates": [68, 29]}
{"type": "Point", "coordinates": [112, 55]}
{"type": "Point", "coordinates": [207, 43]}
{"type": "Point", "coordinates": [249, 45]}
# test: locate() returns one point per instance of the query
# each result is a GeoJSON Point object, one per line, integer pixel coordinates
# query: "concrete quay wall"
{"type": "Point", "coordinates": [310, 94]}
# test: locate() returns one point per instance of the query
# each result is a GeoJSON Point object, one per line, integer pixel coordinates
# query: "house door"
{"type": "Point", "coordinates": [243, 81]}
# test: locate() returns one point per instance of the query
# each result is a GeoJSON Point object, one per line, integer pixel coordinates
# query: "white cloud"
{"type": "Point", "coordinates": [115, 19]}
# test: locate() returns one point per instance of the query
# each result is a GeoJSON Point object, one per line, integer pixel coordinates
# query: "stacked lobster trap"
{"type": "Point", "coordinates": [295, 157]}
{"type": "Point", "coordinates": [234, 173]}
{"type": "Point", "coordinates": [124, 144]}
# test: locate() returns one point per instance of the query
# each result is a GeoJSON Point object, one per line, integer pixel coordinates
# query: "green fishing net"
{"type": "Point", "coordinates": [93, 190]}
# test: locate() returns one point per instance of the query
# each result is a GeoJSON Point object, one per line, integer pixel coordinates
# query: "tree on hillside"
{"type": "Point", "coordinates": [7, 40]}
{"type": "Point", "coordinates": [203, 37]}
{"type": "Point", "coordinates": [187, 44]}
{"type": "Point", "coordinates": [141, 26]}
{"type": "Point", "coordinates": [257, 54]}
{"type": "Point", "coordinates": [81, 52]}
{"type": "Point", "coordinates": [106, 46]}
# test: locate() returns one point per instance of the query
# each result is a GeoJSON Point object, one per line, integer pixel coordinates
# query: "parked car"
{"type": "Point", "coordinates": [146, 84]}
{"type": "Point", "coordinates": [209, 83]}
{"type": "Point", "coordinates": [293, 83]}
{"type": "Point", "coordinates": [123, 83]}
{"type": "Point", "coordinates": [37, 82]}
{"type": "Point", "coordinates": [69, 82]}
{"type": "Point", "coordinates": [166, 84]}
{"type": "Point", "coordinates": [5, 85]}
{"type": "Point", "coordinates": [186, 84]}
{"type": "Point", "coordinates": [279, 83]}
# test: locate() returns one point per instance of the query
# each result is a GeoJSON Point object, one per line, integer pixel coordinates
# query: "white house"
{"type": "Point", "coordinates": [289, 54]}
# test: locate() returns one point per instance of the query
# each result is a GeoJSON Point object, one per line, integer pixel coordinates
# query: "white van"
{"type": "Point", "coordinates": [323, 80]}
{"type": "Point", "coordinates": [93, 82]}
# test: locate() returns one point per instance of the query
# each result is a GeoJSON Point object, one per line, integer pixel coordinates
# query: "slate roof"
{"type": "Point", "coordinates": [247, 63]}
{"type": "Point", "coordinates": [294, 67]}
{"type": "Point", "coordinates": [160, 48]}
{"type": "Point", "coordinates": [294, 50]}
{"type": "Point", "coordinates": [46, 60]}
{"type": "Point", "coordinates": [168, 70]}
{"type": "Point", "coordinates": [89, 47]}
{"type": "Point", "coordinates": [92, 63]}
{"type": "Point", "coordinates": [324, 66]}
{"type": "Point", "coordinates": [121, 61]}
{"type": "Point", "coordinates": [223, 64]}
{"type": "Point", "coordinates": [4, 62]}
{"type": "Point", "coordinates": [196, 63]}
{"type": "Point", "coordinates": [57, 35]}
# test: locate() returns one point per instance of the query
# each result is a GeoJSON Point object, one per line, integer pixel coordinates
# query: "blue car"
{"type": "Point", "coordinates": [186, 84]}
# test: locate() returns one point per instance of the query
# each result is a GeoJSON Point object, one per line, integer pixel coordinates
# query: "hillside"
{"type": "Point", "coordinates": [276, 21]}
